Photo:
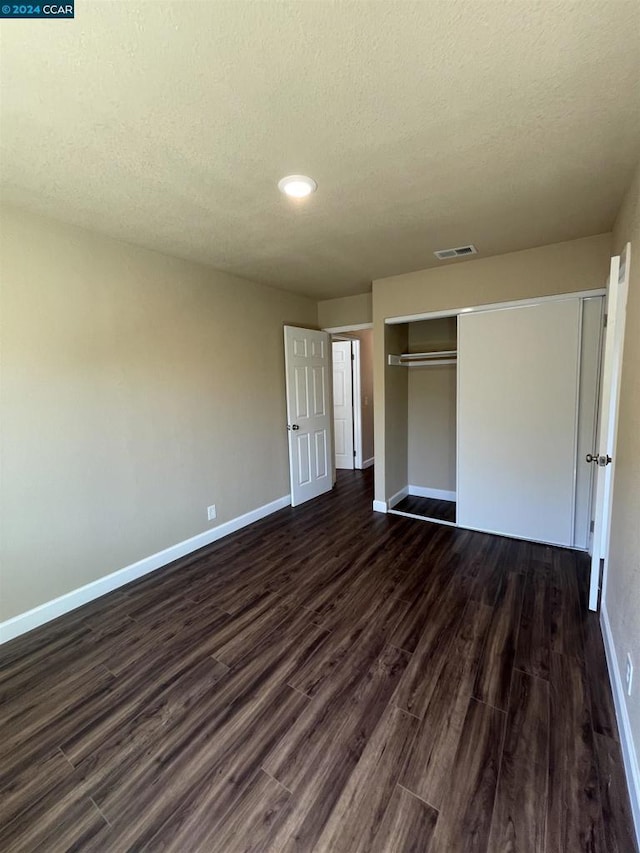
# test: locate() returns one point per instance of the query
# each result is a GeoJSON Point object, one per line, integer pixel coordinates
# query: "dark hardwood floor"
{"type": "Point", "coordinates": [428, 508]}
{"type": "Point", "coordinates": [329, 679]}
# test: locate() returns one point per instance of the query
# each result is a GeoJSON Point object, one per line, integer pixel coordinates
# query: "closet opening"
{"type": "Point", "coordinates": [489, 414]}
{"type": "Point", "coordinates": [430, 362]}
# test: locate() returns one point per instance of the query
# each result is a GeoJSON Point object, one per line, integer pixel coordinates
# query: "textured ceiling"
{"type": "Point", "coordinates": [430, 124]}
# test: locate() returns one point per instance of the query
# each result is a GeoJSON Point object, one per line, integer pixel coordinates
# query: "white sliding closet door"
{"type": "Point", "coordinates": [517, 418]}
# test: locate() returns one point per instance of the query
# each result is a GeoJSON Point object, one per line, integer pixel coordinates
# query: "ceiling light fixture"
{"type": "Point", "coordinates": [297, 186]}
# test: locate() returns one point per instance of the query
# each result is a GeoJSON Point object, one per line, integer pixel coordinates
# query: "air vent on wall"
{"type": "Point", "coordinates": [459, 252]}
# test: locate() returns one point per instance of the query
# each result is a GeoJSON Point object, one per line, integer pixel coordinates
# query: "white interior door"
{"type": "Point", "coordinates": [604, 458]}
{"type": "Point", "coordinates": [517, 420]}
{"type": "Point", "coordinates": [343, 404]}
{"type": "Point", "coordinates": [308, 412]}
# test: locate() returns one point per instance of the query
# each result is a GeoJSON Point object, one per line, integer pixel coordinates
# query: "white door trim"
{"type": "Point", "coordinates": [494, 306]}
{"type": "Point", "coordinates": [344, 407]}
{"type": "Point", "coordinates": [357, 327]}
{"type": "Point", "coordinates": [342, 334]}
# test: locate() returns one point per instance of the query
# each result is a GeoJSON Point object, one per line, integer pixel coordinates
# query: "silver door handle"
{"type": "Point", "coordinates": [293, 426]}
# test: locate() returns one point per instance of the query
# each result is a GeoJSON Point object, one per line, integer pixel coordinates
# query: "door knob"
{"type": "Point", "coordinates": [602, 461]}
{"type": "Point", "coordinates": [293, 426]}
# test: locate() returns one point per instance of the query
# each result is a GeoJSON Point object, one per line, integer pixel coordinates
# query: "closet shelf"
{"type": "Point", "coordinates": [424, 359]}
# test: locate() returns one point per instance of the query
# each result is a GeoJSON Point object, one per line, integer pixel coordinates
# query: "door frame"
{"type": "Point", "coordinates": [341, 333]}
{"type": "Point", "coordinates": [356, 414]}
{"type": "Point", "coordinates": [494, 306]}
{"type": "Point", "coordinates": [473, 309]}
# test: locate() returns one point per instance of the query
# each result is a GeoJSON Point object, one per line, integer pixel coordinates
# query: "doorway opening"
{"type": "Point", "coordinates": [352, 357]}
{"type": "Point", "coordinates": [430, 362]}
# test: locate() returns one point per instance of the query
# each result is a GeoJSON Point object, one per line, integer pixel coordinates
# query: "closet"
{"type": "Point", "coordinates": [430, 360]}
{"type": "Point", "coordinates": [500, 414]}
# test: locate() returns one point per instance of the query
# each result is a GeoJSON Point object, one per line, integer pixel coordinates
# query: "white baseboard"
{"type": "Point", "coordinates": [399, 496]}
{"type": "Point", "coordinates": [368, 463]}
{"type": "Point", "coordinates": [379, 506]}
{"type": "Point", "coordinates": [438, 494]}
{"type": "Point", "coordinates": [629, 754]}
{"type": "Point", "coordinates": [76, 598]}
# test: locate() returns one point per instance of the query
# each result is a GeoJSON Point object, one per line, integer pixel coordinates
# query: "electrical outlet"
{"type": "Point", "coordinates": [629, 675]}
{"type": "Point", "coordinates": [211, 512]}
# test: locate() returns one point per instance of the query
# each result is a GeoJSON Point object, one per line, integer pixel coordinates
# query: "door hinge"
{"type": "Point", "coordinates": [354, 453]}
{"type": "Point", "coordinates": [592, 526]}
{"type": "Point", "coordinates": [606, 318]}
{"type": "Point", "coordinates": [353, 358]}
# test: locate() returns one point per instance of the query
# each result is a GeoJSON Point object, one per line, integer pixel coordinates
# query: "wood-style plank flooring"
{"type": "Point", "coordinates": [428, 508]}
{"type": "Point", "coordinates": [329, 679]}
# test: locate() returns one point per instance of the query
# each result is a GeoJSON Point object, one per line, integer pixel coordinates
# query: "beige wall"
{"type": "Point", "coordinates": [366, 390]}
{"type": "Point", "coordinates": [346, 311]}
{"type": "Point", "coordinates": [137, 389]}
{"type": "Point", "coordinates": [559, 268]}
{"type": "Point", "coordinates": [623, 584]}
{"type": "Point", "coordinates": [432, 409]}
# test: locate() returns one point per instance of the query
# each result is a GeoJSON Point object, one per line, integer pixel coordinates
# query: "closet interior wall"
{"type": "Point", "coordinates": [396, 383]}
{"type": "Point", "coordinates": [431, 462]}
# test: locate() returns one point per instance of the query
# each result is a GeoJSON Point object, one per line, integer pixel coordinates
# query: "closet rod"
{"type": "Point", "coordinates": [430, 362]}
{"type": "Point", "coordinates": [423, 359]}
{"type": "Point", "coordinates": [416, 356]}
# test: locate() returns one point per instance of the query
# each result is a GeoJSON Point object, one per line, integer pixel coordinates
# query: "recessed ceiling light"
{"type": "Point", "coordinates": [297, 186]}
